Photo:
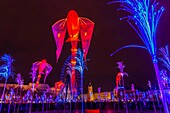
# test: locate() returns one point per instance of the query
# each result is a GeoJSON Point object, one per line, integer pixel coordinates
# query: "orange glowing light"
{"type": "Point", "coordinates": [85, 34]}
{"type": "Point", "coordinates": [58, 34]}
{"type": "Point", "coordinates": [73, 62]}
{"type": "Point", "coordinates": [74, 49]}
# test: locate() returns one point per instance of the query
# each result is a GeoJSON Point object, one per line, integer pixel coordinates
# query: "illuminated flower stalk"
{"type": "Point", "coordinates": [6, 70]}
{"type": "Point", "coordinates": [81, 63]}
{"type": "Point", "coordinates": [120, 75]}
{"type": "Point", "coordinates": [143, 18]}
{"type": "Point", "coordinates": [80, 66]}
{"type": "Point", "coordinates": [118, 79]}
{"type": "Point", "coordinates": [19, 80]}
{"type": "Point", "coordinates": [164, 78]}
{"type": "Point", "coordinates": [134, 95]}
{"type": "Point", "coordinates": [33, 75]}
{"type": "Point", "coordinates": [166, 58]}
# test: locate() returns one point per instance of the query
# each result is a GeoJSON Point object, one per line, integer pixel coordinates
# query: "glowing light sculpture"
{"type": "Point", "coordinates": [143, 18]}
{"type": "Point", "coordinates": [6, 70]}
{"type": "Point", "coordinates": [73, 24]}
{"type": "Point", "coordinates": [19, 80]}
{"type": "Point", "coordinates": [120, 76]}
{"type": "Point", "coordinates": [66, 73]}
{"type": "Point", "coordinates": [166, 58]}
{"type": "Point", "coordinates": [68, 79]}
{"type": "Point", "coordinates": [80, 66]}
{"type": "Point", "coordinates": [33, 75]}
{"type": "Point", "coordinates": [59, 86]}
{"type": "Point", "coordinates": [41, 67]}
{"type": "Point", "coordinates": [164, 78]}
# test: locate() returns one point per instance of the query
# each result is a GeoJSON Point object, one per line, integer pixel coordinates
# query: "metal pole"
{"type": "Point", "coordinates": [82, 99]}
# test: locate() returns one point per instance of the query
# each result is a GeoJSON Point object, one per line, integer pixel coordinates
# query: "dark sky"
{"type": "Point", "coordinates": [25, 33]}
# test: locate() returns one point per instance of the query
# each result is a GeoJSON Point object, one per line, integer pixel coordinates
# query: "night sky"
{"type": "Point", "coordinates": [25, 34]}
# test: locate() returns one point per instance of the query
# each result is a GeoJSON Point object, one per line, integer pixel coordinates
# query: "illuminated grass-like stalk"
{"type": "Point", "coordinates": [80, 66]}
{"type": "Point", "coordinates": [166, 58]}
{"type": "Point", "coordinates": [6, 70]}
{"type": "Point", "coordinates": [144, 16]}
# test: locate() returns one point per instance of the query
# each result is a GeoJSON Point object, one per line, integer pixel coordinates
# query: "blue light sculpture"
{"type": "Point", "coordinates": [143, 17]}
{"type": "Point", "coordinates": [166, 58]}
{"type": "Point", "coordinates": [80, 66]}
{"type": "Point", "coordinates": [6, 70]}
{"type": "Point", "coordinates": [164, 78]}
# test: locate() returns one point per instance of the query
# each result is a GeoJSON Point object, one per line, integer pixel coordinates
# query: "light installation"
{"type": "Point", "coordinates": [120, 76]}
{"type": "Point", "coordinates": [73, 24]}
{"type": "Point", "coordinates": [6, 70]}
{"type": "Point", "coordinates": [41, 67]}
{"type": "Point", "coordinates": [66, 75]}
{"type": "Point", "coordinates": [165, 57]}
{"type": "Point", "coordinates": [120, 81]}
{"type": "Point", "coordinates": [81, 66]}
{"type": "Point", "coordinates": [19, 80]}
{"type": "Point", "coordinates": [164, 78]}
{"type": "Point", "coordinates": [143, 17]}
{"type": "Point", "coordinates": [67, 71]}
{"type": "Point", "coordinates": [59, 86]}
